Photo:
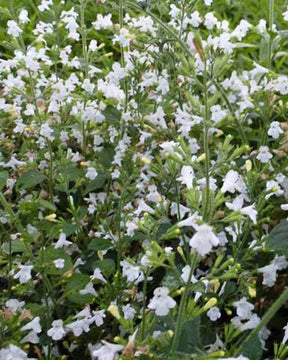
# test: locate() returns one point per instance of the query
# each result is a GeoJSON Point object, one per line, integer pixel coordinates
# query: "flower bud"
{"type": "Point", "coordinates": [114, 311]}
{"type": "Point", "coordinates": [210, 303]}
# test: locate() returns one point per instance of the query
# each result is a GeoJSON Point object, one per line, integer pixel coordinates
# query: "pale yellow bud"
{"type": "Point", "coordinates": [114, 311]}
{"type": "Point", "coordinates": [248, 165]}
{"type": "Point", "coordinates": [210, 303]}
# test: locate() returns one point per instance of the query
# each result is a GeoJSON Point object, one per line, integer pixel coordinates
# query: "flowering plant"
{"type": "Point", "coordinates": [143, 178]}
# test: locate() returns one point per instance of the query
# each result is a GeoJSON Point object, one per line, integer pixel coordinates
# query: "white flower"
{"type": "Point", "coordinates": [251, 212]}
{"type": "Point", "coordinates": [45, 5]}
{"type": "Point", "coordinates": [15, 305]}
{"type": "Point", "coordinates": [264, 155]}
{"type": "Point", "coordinates": [59, 263]}
{"type": "Point", "coordinates": [270, 271]}
{"type": "Point", "coordinates": [91, 173]}
{"type": "Point", "coordinates": [214, 313]}
{"type": "Point", "coordinates": [62, 242]}
{"type": "Point", "coordinates": [208, 2]}
{"type": "Point", "coordinates": [204, 239]}
{"type": "Point", "coordinates": [128, 311]}
{"type": "Point", "coordinates": [285, 15]}
{"type": "Point", "coordinates": [33, 325]}
{"type": "Point", "coordinates": [284, 207]}
{"type": "Point", "coordinates": [107, 351]}
{"type": "Point", "coordinates": [98, 317]}
{"type": "Point", "coordinates": [57, 331]}
{"type": "Point", "coordinates": [31, 337]}
{"type": "Point", "coordinates": [187, 177]}
{"type": "Point", "coordinates": [23, 16]}
{"type": "Point", "coordinates": [46, 131]}
{"type": "Point", "coordinates": [133, 273]}
{"type": "Point", "coordinates": [13, 163]}
{"type": "Point", "coordinates": [89, 289]}
{"type": "Point", "coordinates": [88, 86]}
{"type": "Point", "coordinates": [232, 181]}
{"type": "Point", "coordinates": [102, 22]}
{"type": "Point", "coordinates": [161, 302]}
{"type": "Point", "coordinates": [185, 274]}
{"type": "Point", "coordinates": [12, 352]}
{"type": "Point", "coordinates": [275, 130]}
{"type": "Point", "coordinates": [24, 275]}
{"type": "Point", "coordinates": [243, 308]}
{"type": "Point", "coordinates": [79, 326]}
{"type": "Point", "coordinates": [13, 28]}
{"type": "Point", "coordinates": [285, 328]}
{"type": "Point", "coordinates": [97, 274]}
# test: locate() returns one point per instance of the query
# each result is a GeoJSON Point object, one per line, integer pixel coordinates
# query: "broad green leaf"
{"type": "Point", "coordinates": [30, 179]}
{"type": "Point", "coordinates": [47, 257]}
{"type": "Point", "coordinates": [71, 172]}
{"type": "Point", "coordinates": [190, 336]}
{"type": "Point", "coordinates": [96, 184]}
{"type": "Point", "coordinates": [107, 266]}
{"type": "Point", "coordinates": [278, 238]}
{"type": "Point", "coordinates": [17, 246]}
{"type": "Point", "coordinates": [4, 175]}
{"type": "Point", "coordinates": [99, 244]}
{"type": "Point", "coordinates": [111, 114]}
{"type": "Point", "coordinates": [253, 349]}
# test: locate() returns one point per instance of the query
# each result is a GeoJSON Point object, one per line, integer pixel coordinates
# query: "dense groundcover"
{"type": "Point", "coordinates": [144, 179]}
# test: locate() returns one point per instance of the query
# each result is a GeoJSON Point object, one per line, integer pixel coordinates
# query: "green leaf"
{"type": "Point", "coordinates": [278, 238]}
{"type": "Point", "coordinates": [76, 283]}
{"type": "Point", "coordinates": [17, 246]}
{"type": "Point", "coordinates": [107, 266]}
{"type": "Point", "coordinates": [106, 156]}
{"type": "Point", "coordinates": [4, 175]}
{"type": "Point", "coordinates": [95, 184]}
{"type": "Point", "coordinates": [190, 336]}
{"type": "Point", "coordinates": [111, 114]}
{"type": "Point", "coordinates": [253, 349]}
{"type": "Point", "coordinates": [47, 256]}
{"type": "Point", "coordinates": [71, 172]}
{"type": "Point", "coordinates": [99, 244]}
{"type": "Point", "coordinates": [30, 179]}
{"type": "Point", "coordinates": [47, 205]}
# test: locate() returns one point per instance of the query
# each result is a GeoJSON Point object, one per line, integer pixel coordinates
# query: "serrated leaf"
{"type": "Point", "coordinates": [47, 257]}
{"type": "Point", "coordinates": [70, 172]}
{"type": "Point", "coordinates": [190, 335]}
{"type": "Point", "coordinates": [17, 246]}
{"type": "Point", "coordinates": [76, 283]}
{"type": "Point", "coordinates": [99, 244]}
{"type": "Point", "coordinates": [111, 114]}
{"type": "Point", "coordinates": [4, 175]}
{"type": "Point", "coordinates": [253, 349]}
{"type": "Point", "coordinates": [30, 179]}
{"type": "Point", "coordinates": [278, 238]}
{"type": "Point", "coordinates": [107, 266]}
{"type": "Point", "coordinates": [95, 184]}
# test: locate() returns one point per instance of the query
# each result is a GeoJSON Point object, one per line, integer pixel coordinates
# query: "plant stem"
{"type": "Point", "coordinates": [206, 211]}
{"type": "Point", "coordinates": [266, 318]}
{"type": "Point", "coordinates": [270, 21]}
{"type": "Point", "coordinates": [143, 325]}
{"type": "Point", "coordinates": [179, 322]}
{"type": "Point", "coordinates": [50, 181]}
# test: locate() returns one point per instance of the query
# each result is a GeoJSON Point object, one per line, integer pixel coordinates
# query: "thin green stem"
{"type": "Point", "coordinates": [143, 324]}
{"type": "Point", "coordinates": [206, 212]}
{"type": "Point", "coordinates": [50, 181]}
{"type": "Point", "coordinates": [181, 311]}
{"type": "Point", "coordinates": [283, 298]}
{"type": "Point", "coordinates": [125, 84]}
{"type": "Point", "coordinates": [271, 22]}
